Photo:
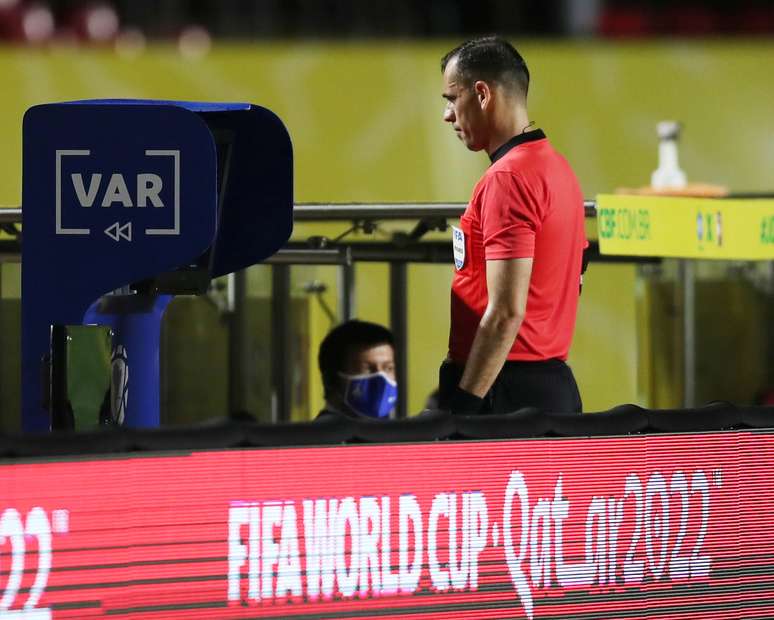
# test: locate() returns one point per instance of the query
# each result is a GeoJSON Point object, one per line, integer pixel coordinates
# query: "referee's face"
{"type": "Point", "coordinates": [463, 109]}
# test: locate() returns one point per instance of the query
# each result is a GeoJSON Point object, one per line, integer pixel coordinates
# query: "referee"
{"type": "Point", "coordinates": [518, 251]}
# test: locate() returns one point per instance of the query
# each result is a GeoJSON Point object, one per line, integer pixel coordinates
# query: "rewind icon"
{"type": "Point", "coordinates": [117, 232]}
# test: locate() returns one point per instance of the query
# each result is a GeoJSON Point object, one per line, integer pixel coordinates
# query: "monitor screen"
{"type": "Point", "coordinates": [194, 279]}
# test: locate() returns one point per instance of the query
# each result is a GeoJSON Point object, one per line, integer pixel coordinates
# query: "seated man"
{"type": "Point", "coordinates": [357, 363]}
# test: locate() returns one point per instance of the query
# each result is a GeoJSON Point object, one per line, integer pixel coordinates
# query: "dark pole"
{"type": "Point", "coordinates": [238, 376]}
{"type": "Point", "coordinates": [280, 343]}
{"type": "Point", "coordinates": [347, 291]}
{"type": "Point", "coordinates": [61, 419]}
{"type": "Point", "coordinates": [399, 326]}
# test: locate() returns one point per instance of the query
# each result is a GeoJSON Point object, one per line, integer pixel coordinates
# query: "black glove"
{"type": "Point", "coordinates": [463, 402]}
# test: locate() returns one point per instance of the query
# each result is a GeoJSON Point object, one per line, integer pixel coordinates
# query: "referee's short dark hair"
{"type": "Point", "coordinates": [339, 344]}
{"type": "Point", "coordinates": [490, 59]}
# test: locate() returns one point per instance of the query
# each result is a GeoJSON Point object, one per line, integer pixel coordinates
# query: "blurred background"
{"type": "Point", "coordinates": [358, 85]}
{"type": "Point", "coordinates": [24, 20]}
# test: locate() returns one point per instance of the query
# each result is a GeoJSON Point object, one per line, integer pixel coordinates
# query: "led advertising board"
{"type": "Point", "coordinates": [649, 526]}
{"type": "Point", "coordinates": [703, 228]}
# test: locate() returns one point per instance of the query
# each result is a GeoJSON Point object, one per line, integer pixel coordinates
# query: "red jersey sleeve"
{"type": "Point", "coordinates": [510, 218]}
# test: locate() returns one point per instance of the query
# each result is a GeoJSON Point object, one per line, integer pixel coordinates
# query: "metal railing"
{"type": "Point", "coordinates": [325, 212]}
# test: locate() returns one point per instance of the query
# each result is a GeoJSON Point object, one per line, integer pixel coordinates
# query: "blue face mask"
{"type": "Point", "coordinates": [371, 395]}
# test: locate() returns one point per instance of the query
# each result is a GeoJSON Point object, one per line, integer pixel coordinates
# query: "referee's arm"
{"type": "Point", "coordinates": [507, 287]}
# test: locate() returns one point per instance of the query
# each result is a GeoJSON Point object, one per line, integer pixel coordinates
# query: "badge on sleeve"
{"type": "Point", "coordinates": [458, 245]}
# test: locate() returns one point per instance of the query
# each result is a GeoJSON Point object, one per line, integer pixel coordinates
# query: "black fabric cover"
{"type": "Point", "coordinates": [757, 417]}
{"type": "Point", "coordinates": [429, 425]}
{"type": "Point", "coordinates": [323, 431]}
{"type": "Point", "coordinates": [714, 416]}
{"type": "Point", "coordinates": [526, 422]}
{"type": "Point", "coordinates": [61, 443]}
{"type": "Point", "coordinates": [217, 434]}
{"type": "Point", "coordinates": [620, 420]}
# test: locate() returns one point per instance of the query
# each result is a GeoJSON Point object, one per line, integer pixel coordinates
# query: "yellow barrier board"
{"type": "Point", "coordinates": [686, 227]}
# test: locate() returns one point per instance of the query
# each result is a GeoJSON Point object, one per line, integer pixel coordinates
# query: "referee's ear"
{"type": "Point", "coordinates": [483, 93]}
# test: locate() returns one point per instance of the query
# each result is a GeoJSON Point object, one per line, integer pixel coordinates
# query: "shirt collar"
{"type": "Point", "coordinates": [527, 136]}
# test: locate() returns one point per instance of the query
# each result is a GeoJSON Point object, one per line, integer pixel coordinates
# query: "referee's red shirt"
{"type": "Point", "coordinates": [528, 204]}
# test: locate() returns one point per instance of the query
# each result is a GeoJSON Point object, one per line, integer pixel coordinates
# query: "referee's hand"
{"type": "Point", "coordinates": [464, 403]}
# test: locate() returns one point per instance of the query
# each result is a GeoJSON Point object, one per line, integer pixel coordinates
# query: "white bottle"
{"type": "Point", "coordinates": [668, 174]}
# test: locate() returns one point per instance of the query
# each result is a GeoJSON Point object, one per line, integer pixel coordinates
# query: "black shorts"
{"type": "Point", "coordinates": [549, 386]}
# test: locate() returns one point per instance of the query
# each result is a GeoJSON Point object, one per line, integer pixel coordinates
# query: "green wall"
{"type": "Point", "coordinates": [365, 119]}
